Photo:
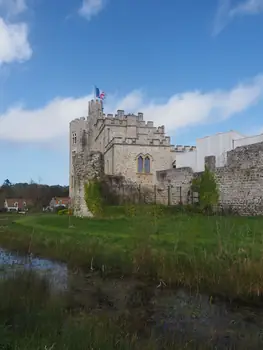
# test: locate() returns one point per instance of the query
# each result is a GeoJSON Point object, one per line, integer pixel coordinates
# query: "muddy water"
{"type": "Point", "coordinates": [171, 313]}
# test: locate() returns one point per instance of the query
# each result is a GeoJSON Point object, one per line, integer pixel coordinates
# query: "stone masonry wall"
{"type": "Point", "coordinates": [179, 181]}
{"type": "Point", "coordinates": [86, 166]}
{"type": "Point", "coordinates": [126, 163]}
{"type": "Point", "coordinates": [120, 190]}
{"type": "Point", "coordinates": [240, 182]}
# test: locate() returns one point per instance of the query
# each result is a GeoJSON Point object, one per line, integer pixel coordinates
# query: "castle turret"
{"type": "Point", "coordinates": [95, 113]}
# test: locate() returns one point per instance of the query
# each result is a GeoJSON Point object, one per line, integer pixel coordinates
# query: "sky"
{"type": "Point", "coordinates": [194, 66]}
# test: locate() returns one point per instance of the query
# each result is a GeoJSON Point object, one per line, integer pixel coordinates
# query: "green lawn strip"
{"type": "Point", "coordinates": [221, 254]}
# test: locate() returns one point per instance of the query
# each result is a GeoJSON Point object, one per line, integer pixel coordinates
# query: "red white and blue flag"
{"type": "Point", "coordinates": [99, 93]}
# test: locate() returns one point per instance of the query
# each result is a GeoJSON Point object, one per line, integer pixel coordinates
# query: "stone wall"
{"type": "Point", "coordinates": [240, 182]}
{"type": "Point", "coordinates": [86, 167]}
{"type": "Point", "coordinates": [179, 182]}
{"type": "Point", "coordinates": [120, 190]}
{"type": "Point", "coordinates": [124, 160]}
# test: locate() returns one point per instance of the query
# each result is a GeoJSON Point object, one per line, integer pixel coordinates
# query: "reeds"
{"type": "Point", "coordinates": [218, 255]}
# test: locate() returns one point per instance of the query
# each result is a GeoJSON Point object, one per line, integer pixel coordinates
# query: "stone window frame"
{"type": "Point", "coordinates": [140, 164]}
{"type": "Point", "coordinates": [74, 138]}
{"type": "Point", "coordinates": [141, 169]}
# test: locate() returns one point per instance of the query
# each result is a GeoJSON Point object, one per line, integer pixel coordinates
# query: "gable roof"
{"type": "Point", "coordinates": [21, 202]}
{"type": "Point", "coordinates": [60, 200]}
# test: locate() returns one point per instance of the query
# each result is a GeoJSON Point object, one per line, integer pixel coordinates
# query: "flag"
{"type": "Point", "coordinates": [99, 93]}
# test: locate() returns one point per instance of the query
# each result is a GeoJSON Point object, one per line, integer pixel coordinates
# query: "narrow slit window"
{"type": "Point", "coordinates": [74, 138]}
{"type": "Point", "coordinates": [140, 164]}
{"type": "Point", "coordinates": [147, 167]}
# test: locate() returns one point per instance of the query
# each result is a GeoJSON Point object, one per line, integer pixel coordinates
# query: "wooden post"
{"type": "Point", "coordinates": [169, 195]}
{"type": "Point", "coordinates": [181, 195]}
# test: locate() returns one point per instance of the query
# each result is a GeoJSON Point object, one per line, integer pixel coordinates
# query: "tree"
{"type": "Point", "coordinates": [7, 183]}
{"type": "Point", "coordinates": [207, 189]}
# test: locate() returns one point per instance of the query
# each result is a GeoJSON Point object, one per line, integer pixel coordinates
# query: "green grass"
{"type": "Point", "coordinates": [31, 318]}
{"type": "Point", "coordinates": [221, 255]}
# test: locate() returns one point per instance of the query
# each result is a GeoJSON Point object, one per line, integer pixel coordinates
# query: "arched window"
{"type": "Point", "coordinates": [147, 167]}
{"type": "Point", "coordinates": [140, 164]}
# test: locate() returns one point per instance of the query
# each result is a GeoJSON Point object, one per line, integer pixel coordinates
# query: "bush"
{"type": "Point", "coordinates": [59, 208]}
{"type": "Point", "coordinates": [93, 197]}
{"type": "Point", "coordinates": [63, 212]}
{"type": "Point", "coordinates": [206, 187]}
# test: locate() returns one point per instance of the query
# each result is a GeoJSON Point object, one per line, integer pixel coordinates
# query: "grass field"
{"type": "Point", "coordinates": [221, 255]}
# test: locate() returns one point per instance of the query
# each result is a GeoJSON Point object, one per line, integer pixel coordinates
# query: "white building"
{"type": "Point", "coordinates": [216, 145]}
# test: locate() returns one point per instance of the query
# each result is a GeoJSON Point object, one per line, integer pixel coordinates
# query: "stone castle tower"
{"type": "Point", "coordinates": [131, 147]}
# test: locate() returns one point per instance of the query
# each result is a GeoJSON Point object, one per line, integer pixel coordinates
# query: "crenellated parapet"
{"type": "Point", "coordinates": [140, 140]}
{"type": "Point", "coordinates": [78, 120]}
{"type": "Point", "coordinates": [181, 148]}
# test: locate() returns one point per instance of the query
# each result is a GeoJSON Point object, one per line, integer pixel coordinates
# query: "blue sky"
{"type": "Point", "coordinates": [195, 66]}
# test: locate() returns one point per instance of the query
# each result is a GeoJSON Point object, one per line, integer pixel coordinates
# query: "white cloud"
{"type": "Point", "coordinates": [226, 13]}
{"type": "Point", "coordinates": [13, 7]}
{"type": "Point", "coordinates": [49, 124]}
{"type": "Point", "coordinates": [249, 7]}
{"type": "Point", "coordinates": [14, 45]}
{"type": "Point", "coordinates": [91, 8]}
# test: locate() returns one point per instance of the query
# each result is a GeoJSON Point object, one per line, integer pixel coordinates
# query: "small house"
{"type": "Point", "coordinates": [16, 204]}
{"type": "Point", "coordinates": [59, 202]}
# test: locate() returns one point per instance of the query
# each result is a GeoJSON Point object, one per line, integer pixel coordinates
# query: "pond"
{"type": "Point", "coordinates": [170, 313]}
{"type": "Point", "coordinates": [56, 273]}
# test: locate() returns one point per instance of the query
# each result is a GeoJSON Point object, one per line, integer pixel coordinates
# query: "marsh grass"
{"type": "Point", "coordinates": [32, 318]}
{"type": "Point", "coordinates": [218, 255]}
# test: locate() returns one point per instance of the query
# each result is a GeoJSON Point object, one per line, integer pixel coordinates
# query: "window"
{"type": "Point", "coordinates": [144, 164]}
{"type": "Point", "coordinates": [147, 165]}
{"type": "Point", "coordinates": [140, 164]}
{"type": "Point", "coordinates": [74, 138]}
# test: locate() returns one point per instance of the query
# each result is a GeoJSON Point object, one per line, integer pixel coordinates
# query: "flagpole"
{"type": "Point", "coordinates": [94, 91]}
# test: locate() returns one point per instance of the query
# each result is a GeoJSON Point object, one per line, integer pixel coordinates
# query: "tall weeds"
{"type": "Point", "coordinates": [32, 318]}
{"type": "Point", "coordinates": [218, 255]}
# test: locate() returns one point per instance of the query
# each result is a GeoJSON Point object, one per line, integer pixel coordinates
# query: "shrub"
{"type": "Point", "coordinates": [63, 212]}
{"type": "Point", "coordinates": [59, 208]}
{"type": "Point", "coordinates": [207, 189]}
{"type": "Point", "coordinates": [93, 197]}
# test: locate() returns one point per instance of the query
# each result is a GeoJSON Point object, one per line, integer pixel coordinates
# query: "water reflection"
{"type": "Point", "coordinates": [56, 273]}
{"type": "Point", "coordinates": [169, 313]}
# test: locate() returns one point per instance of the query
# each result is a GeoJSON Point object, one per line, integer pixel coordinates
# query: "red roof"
{"type": "Point", "coordinates": [62, 200]}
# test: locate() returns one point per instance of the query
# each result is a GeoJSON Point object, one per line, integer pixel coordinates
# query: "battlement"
{"type": "Point", "coordinates": [119, 118]}
{"type": "Point", "coordinates": [182, 149]}
{"type": "Point", "coordinates": [139, 141]}
{"type": "Point", "coordinates": [76, 120]}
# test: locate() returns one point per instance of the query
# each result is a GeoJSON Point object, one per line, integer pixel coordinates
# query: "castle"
{"type": "Point", "coordinates": [142, 153]}
{"type": "Point", "coordinates": [131, 146]}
